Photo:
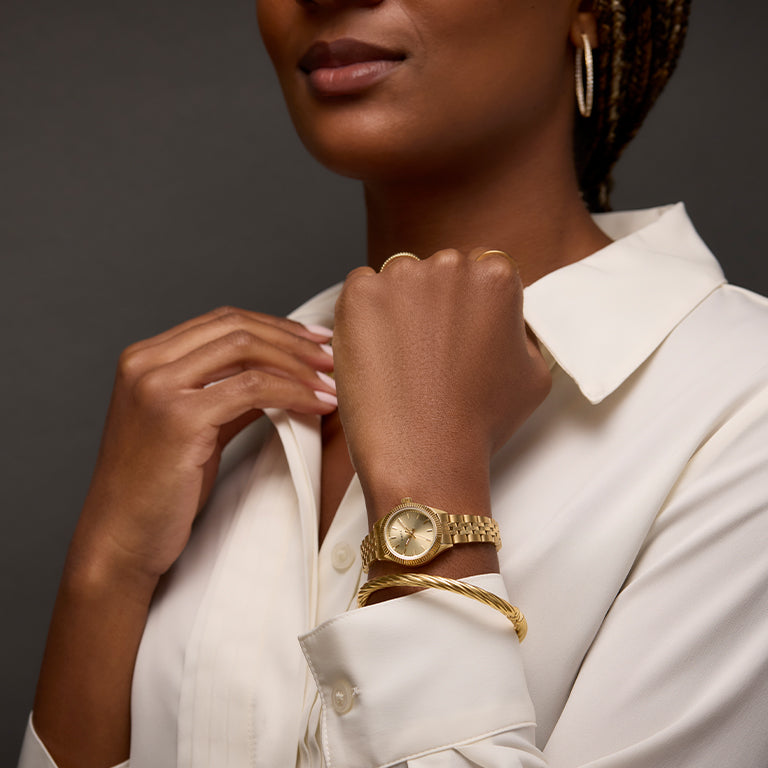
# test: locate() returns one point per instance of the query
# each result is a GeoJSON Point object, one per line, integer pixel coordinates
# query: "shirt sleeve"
{"type": "Point", "coordinates": [408, 695]}
{"type": "Point", "coordinates": [35, 755]}
{"type": "Point", "coordinates": [677, 675]}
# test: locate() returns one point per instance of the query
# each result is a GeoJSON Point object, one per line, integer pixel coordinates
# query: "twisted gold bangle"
{"type": "Point", "coordinates": [449, 585]}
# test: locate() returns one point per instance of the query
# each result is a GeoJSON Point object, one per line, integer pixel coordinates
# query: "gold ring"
{"type": "Point", "coordinates": [398, 256]}
{"type": "Point", "coordinates": [496, 252]}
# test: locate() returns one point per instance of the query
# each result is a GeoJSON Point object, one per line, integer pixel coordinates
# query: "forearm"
{"type": "Point", "coordinates": [435, 372]}
{"type": "Point", "coordinates": [82, 705]}
{"type": "Point", "coordinates": [178, 399]}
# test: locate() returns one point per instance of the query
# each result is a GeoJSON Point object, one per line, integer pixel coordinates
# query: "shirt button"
{"type": "Point", "coordinates": [342, 556]}
{"type": "Point", "coordinates": [341, 697]}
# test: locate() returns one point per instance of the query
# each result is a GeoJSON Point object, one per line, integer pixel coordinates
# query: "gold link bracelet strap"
{"type": "Point", "coordinates": [449, 585]}
{"type": "Point", "coordinates": [466, 529]}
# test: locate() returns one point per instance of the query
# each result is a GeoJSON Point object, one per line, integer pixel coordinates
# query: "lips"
{"type": "Point", "coordinates": [343, 53]}
{"type": "Point", "coordinates": [346, 66]}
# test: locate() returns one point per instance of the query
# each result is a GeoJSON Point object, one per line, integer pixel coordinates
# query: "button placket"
{"type": "Point", "coordinates": [342, 556]}
{"type": "Point", "coordinates": [342, 697]}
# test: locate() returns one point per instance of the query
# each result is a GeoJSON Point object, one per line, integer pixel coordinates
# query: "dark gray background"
{"type": "Point", "coordinates": [148, 173]}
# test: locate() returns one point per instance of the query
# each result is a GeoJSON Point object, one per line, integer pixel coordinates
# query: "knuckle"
{"type": "Point", "coordinates": [239, 339]}
{"type": "Point", "coordinates": [359, 272]}
{"type": "Point", "coordinates": [149, 389]}
{"type": "Point", "coordinates": [228, 321]}
{"type": "Point", "coordinates": [448, 258]}
{"type": "Point", "coordinates": [498, 267]}
{"type": "Point", "coordinates": [129, 363]}
{"type": "Point", "coordinates": [497, 273]}
{"type": "Point", "coordinates": [224, 310]}
{"type": "Point", "coordinates": [356, 287]}
{"type": "Point", "coordinates": [402, 265]}
{"type": "Point", "coordinates": [253, 379]}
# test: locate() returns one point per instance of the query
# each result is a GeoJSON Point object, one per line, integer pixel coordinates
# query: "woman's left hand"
{"type": "Point", "coordinates": [435, 372]}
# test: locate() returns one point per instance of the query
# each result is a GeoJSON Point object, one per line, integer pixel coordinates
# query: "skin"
{"type": "Point", "coordinates": [465, 146]}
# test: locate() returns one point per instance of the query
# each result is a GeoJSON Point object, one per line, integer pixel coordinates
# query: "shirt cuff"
{"type": "Point", "coordinates": [35, 755]}
{"type": "Point", "coordinates": [415, 675]}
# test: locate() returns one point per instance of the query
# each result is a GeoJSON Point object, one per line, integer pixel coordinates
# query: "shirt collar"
{"type": "Point", "coordinates": [319, 309]}
{"type": "Point", "coordinates": [602, 317]}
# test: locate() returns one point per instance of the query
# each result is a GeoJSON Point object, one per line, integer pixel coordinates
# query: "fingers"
{"type": "Point", "coordinates": [228, 377]}
{"type": "Point", "coordinates": [218, 321]}
{"type": "Point", "coordinates": [238, 351]}
{"type": "Point", "coordinates": [448, 270]}
{"type": "Point", "coordinates": [404, 262]}
{"type": "Point", "coordinates": [262, 361]}
{"type": "Point", "coordinates": [241, 330]}
{"type": "Point", "coordinates": [233, 398]}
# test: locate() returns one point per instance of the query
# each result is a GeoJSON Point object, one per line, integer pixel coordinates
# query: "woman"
{"type": "Point", "coordinates": [615, 432]}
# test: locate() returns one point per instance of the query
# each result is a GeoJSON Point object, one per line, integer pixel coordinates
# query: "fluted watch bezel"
{"type": "Point", "coordinates": [396, 514]}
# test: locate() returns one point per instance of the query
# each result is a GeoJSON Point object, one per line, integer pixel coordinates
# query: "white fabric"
{"type": "Point", "coordinates": [35, 755]}
{"type": "Point", "coordinates": [633, 507]}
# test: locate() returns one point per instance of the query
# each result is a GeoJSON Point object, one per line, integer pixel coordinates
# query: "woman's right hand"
{"type": "Point", "coordinates": [178, 399]}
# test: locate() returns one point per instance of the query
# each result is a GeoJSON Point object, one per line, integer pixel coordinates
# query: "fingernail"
{"type": "Point", "coordinates": [326, 397]}
{"type": "Point", "coordinates": [326, 379]}
{"type": "Point", "coordinates": [327, 349]}
{"type": "Point", "coordinates": [320, 330]}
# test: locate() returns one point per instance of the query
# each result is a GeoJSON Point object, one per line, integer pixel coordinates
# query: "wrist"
{"type": "Point", "coordinates": [456, 563]}
{"type": "Point", "coordinates": [465, 492]}
{"type": "Point", "coordinates": [468, 494]}
{"type": "Point", "coordinates": [97, 568]}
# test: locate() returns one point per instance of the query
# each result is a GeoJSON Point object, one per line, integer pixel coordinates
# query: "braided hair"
{"type": "Point", "coordinates": [639, 42]}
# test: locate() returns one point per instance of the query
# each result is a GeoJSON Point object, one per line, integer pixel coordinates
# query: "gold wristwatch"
{"type": "Point", "coordinates": [413, 534]}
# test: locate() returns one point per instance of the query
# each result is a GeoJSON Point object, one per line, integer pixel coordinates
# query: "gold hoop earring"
{"type": "Point", "coordinates": [585, 101]}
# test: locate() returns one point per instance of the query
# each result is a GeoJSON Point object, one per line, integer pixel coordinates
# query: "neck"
{"type": "Point", "coordinates": [529, 208]}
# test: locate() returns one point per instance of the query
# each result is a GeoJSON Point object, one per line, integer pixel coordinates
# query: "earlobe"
{"type": "Point", "coordinates": [584, 23]}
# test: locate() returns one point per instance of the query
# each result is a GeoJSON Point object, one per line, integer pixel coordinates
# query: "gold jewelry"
{"type": "Point", "coordinates": [449, 585]}
{"type": "Point", "coordinates": [413, 534]}
{"type": "Point", "coordinates": [399, 255]}
{"type": "Point", "coordinates": [496, 252]}
{"type": "Point", "coordinates": [585, 103]}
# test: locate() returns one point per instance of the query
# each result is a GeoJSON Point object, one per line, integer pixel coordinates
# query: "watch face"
{"type": "Point", "coordinates": [410, 533]}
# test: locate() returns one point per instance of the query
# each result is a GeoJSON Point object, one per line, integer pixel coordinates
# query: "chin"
{"type": "Point", "coordinates": [357, 159]}
{"type": "Point", "coordinates": [372, 150]}
{"type": "Point", "coordinates": [360, 140]}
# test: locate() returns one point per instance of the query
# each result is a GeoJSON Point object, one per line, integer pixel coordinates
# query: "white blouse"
{"type": "Point", "coordinates": [633, 507]}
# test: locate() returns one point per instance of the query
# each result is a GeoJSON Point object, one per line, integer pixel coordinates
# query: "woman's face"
{"type": "Point", "coordinates": [392, 87]}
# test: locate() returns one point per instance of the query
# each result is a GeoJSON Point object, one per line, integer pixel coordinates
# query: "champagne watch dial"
{"type": "Point", "coordinates": [410, 533]}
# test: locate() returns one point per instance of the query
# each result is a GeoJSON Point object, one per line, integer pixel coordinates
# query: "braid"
{"type": "Point", "coordinates": [639, 42]}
